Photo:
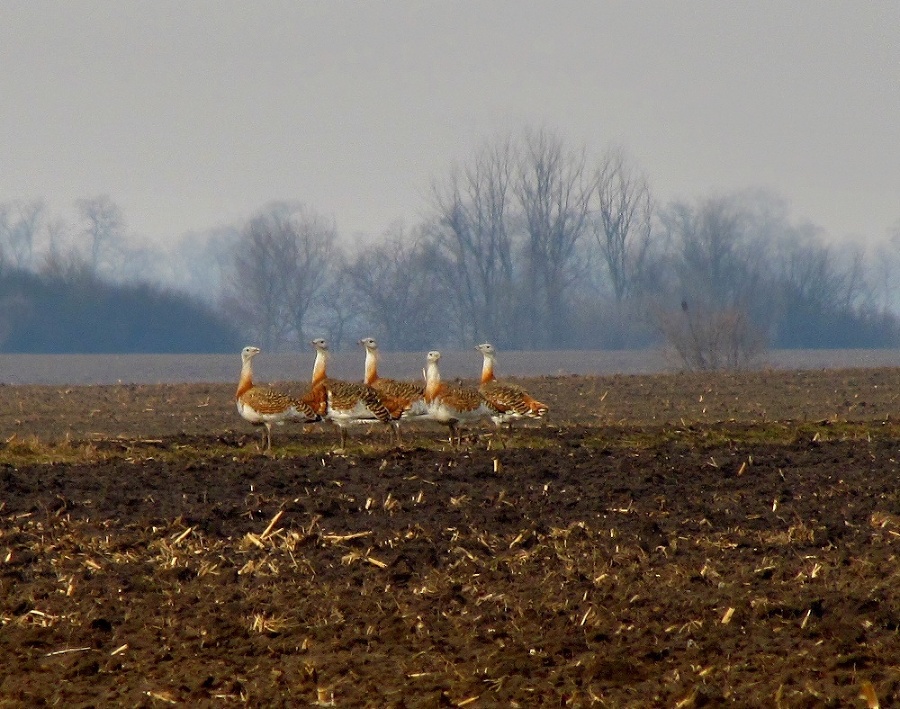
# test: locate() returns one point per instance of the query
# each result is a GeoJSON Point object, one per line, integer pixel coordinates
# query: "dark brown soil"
{"type": "Point", "coordinates": [671, 540]}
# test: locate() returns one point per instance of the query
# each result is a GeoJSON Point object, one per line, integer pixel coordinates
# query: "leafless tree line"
{"type": "Point", "coordinates": [97, 243]}
{"type": "Point", "coordinates": [531, 244]}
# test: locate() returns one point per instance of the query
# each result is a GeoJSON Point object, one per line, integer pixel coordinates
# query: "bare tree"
{"type": "Point", "coordinates": [255, 295]}
{"type": "Point", "coordinates": [201, 263]}
{"type": "Point", "coordinates": [473, 238]}
{"type": "Point", "coordinates": [723, 284]}
{"type": "Point", "coordinates": [58, 232]}
{"type": "Point", "coordinates": [339, 312]}
{"type": "Point", "coordinates": [623, 227]}
{"type": "Point", "coordinates": [63, 260]}
{"type": "Point", "coordinates": [720, 259]}
{"type": "Point", "coordinates": [808, 274]}
{"type": "Point", "coordinates": [19, 223]}
{"type": "Point", "coordinates": [104, 227]}
{"type": "Point", "coordinates": [281, 263]}
{"type": "Point", "coordinates": [554, 193]}
{"type": "Point", "coordinates": [397, 292]}
{"type": "Point", "coordinates": [313, 258]}
{"type": "Point", "coordinates": [823, 293]}
{"type": "Point", "coordinates": [884, 265]}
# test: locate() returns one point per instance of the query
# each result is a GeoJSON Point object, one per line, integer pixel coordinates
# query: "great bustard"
{"type": "Point", "coordinates": [263, 406]}
{"type": "Point", "coordinates": [450, 404]}
{"type": "Point", "coordinates": [511, 402]}
{"type": "Point", "coordinates": [404, 400]}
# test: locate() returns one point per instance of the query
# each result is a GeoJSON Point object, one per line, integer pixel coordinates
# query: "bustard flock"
{"type": "Point", "coordinates": [380, 400]}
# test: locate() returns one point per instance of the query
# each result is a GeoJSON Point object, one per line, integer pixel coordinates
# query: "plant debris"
{"type": "Point", "coordinates": [632, 551]}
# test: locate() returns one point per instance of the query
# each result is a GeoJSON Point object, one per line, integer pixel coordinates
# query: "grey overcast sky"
{"type": "Point", "coordinates": [194, 114]}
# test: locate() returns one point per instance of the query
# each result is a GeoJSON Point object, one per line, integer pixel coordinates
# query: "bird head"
{"type": "Point", "coordinates": [249, 352]}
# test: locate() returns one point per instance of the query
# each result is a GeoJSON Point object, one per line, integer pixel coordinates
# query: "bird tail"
{"type": "Point", "coordinates": [536, 408]}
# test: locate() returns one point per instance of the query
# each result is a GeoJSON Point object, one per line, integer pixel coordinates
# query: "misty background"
{"type": "Point", "coordinates": [716, 179]}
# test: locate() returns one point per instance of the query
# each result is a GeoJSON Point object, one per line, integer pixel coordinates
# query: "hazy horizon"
{"type": "Point", "coordinates": [80, 369]}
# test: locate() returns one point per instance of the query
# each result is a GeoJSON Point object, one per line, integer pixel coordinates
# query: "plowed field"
{"type": "Point", "coordinates": [666, 540]}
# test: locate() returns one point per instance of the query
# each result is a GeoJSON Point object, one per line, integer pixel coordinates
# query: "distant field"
{"type": "Point", "coordinates": [166, 369]}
